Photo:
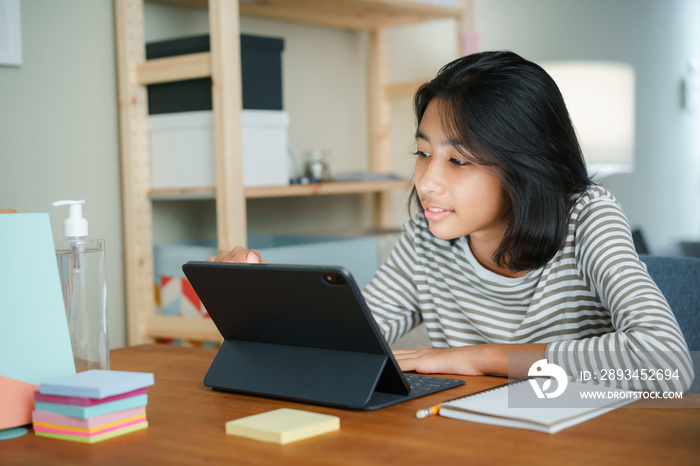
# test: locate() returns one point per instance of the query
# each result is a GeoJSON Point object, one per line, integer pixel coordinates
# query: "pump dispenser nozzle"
{"type": "Point", "coordinates": [75, 225]}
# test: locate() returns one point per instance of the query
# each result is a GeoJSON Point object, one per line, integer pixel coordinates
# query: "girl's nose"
{"type": "Point", "coordinates": [429, 179]}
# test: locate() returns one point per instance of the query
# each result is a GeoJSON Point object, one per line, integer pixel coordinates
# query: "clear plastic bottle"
{"type": "Point", "coordinates": [81, 263]}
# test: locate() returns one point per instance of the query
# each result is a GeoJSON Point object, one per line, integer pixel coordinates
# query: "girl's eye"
{"type": "Point", "coordinates": [421, 154]}
{"type": "Point", "coordinates": [458, 162]}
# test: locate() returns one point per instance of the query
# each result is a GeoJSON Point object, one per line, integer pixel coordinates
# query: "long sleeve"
{"type": "Point", "coordinates": [646, 336]}
{"type": "Point", "coordinates": [392, 295]}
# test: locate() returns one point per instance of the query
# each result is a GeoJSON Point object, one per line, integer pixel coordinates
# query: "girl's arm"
{"type": "Point", "coordinates": [489, 358]}
{"type": "Point", "coordinates": [395, 308]}
{"type": "Point", "coordinates": [646, 337]}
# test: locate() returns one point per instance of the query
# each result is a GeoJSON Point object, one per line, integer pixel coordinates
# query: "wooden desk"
{"type": "Point", "coordinates": [187, 427]}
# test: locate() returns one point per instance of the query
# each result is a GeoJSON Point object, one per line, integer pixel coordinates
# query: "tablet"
{"type": "Point", "coordinates": [301, 333]}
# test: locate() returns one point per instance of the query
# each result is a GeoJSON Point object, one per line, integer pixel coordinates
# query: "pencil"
{"type": "Point", "coordinates": [434, 410]}
{"type": "Point", "coordinates": [427, 412]}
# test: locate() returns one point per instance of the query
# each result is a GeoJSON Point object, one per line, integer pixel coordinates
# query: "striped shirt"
{"type": "Point", "coordinates": [594, 304]}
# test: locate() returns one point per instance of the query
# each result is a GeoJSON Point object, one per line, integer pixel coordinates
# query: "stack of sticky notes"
{"type": "Point", "coordinates": [283, 425]}
{"type": "Point", "coordinates": [91, 406]}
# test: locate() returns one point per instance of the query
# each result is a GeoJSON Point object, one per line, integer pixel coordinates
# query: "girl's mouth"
{"type": "Point", "coordinates": [436, 213]}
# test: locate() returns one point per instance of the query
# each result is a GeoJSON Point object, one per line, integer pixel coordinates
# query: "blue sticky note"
{"type": "Point", "coordinates": [86, 412]}
{"type": "Point", "coordinates": [97, 383]}
{"type": "Point", "coordinates": [34, 340]}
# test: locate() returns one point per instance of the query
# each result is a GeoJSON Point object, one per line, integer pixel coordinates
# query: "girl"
{"type": "Point", "coordinates": [515, 250]}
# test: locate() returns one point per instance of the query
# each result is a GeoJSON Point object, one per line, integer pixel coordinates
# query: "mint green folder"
{"type": "Point", "coordinates": [34, 341]}
{"type": "Point", "coordinates": [86, 412]}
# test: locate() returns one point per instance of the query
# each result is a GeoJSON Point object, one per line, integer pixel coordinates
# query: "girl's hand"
{"type": "Point", "coordinates": [238, 254]}
{"type": "Point", "coordinates": [465, 360]}
{"type": "Point", "coordinates": [483, 359]}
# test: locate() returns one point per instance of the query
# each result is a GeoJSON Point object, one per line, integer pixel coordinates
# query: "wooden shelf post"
{"type": "Point", "coordinates": [227, 105]}
{"type": "Point", "coordinates": [379, 120]}
{"type": "Point", "coordinates": [135, 165]}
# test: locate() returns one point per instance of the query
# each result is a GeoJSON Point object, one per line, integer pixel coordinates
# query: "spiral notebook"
{"type": "Point", "coordinates": [516, 405]}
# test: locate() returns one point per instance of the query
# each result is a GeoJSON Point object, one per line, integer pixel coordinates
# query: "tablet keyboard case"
{"type": "Point", "coordinates": [296, 335]}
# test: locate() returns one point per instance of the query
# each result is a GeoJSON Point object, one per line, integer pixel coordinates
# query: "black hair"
{"type": "Point", "coordinates": [509, 114]}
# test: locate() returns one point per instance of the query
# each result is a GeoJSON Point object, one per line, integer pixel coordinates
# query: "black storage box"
{"type": "Point", "coordinates": [261, 75]}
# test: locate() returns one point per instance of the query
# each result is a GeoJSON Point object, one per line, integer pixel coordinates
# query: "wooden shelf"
{"type": "Point", "coordinates": [222, 64]}
{"type": "Point", "coordinates": [182, 194]}
{"type": "Point", "coordinates": [181, 67]}
{"type": "Point", "coordinates": [356, 15]}
{"type": "Point", "coordinates": [404, 89]}
{"type": "Point", "coordinates": [320, 189]}
{"type": "Point", "coordinates": [198, 65]}
{"type": "Point", "coordinates": [178, 327]}
{"type": "Point", "coordinates": [317, 189]}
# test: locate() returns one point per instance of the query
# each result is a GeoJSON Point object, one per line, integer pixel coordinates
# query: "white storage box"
{"type": "Point", "coordinates": [182, 149]}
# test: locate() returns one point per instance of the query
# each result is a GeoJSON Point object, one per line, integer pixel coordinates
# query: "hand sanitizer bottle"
{"type": "Point", "coordinates": [81, 263]}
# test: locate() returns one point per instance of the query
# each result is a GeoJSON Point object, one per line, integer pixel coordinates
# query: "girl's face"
{"type": "Point", "coordinates": [459, 196]}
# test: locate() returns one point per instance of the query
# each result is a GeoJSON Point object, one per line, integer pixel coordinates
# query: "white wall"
{"type": "Point", "coordinates": [58, 127]}
{"type": "Point", "coordinates": [658, 37]}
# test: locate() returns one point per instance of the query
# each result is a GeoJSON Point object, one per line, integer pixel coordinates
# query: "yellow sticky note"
{"type": "Point", "coordinates": [283, 425]}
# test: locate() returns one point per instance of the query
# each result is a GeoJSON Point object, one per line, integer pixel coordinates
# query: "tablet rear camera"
{"type": "Point", "coordinates": [334, 278]}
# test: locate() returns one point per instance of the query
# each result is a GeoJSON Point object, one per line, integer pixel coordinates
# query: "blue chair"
{"type": "Point", "coordinates": [678, 278]}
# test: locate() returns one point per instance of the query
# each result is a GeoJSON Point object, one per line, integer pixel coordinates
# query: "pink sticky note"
{"type": "Point", "coordinates": [84, 401]}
